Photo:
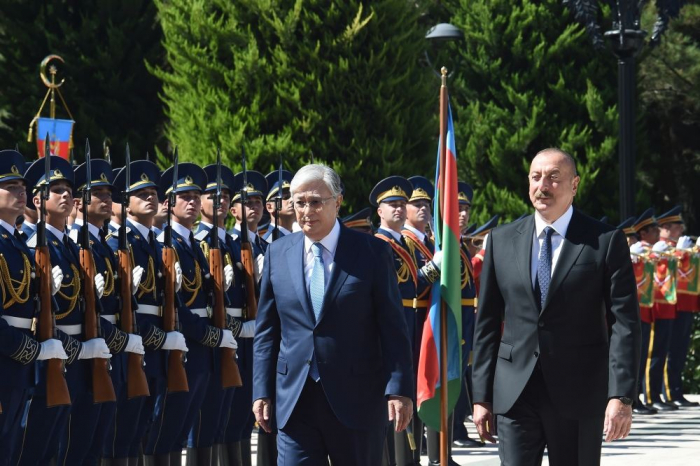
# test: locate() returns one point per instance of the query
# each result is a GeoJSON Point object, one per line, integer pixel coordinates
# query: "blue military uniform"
{"type": "Point", "coordinates": [415, 275]}
{"type": "Point", "coordinates": [175, 412]}
{"type": "Point", "coordinates": [43, 426]}
{"type": "Point", "coordinates": [134, 416]}
{"type": "Point", "coordinates": [209, 427]}
{"type": "Point", "coordinates": [18, 347]}
{"type": "Point", "coordinates": [97, 419]}
{"type": "Point", "coordinates": [240, 426]}
{"type": "Point", "coordinates": [273, 183]}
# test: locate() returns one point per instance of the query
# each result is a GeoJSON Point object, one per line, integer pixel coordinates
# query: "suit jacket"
{"type": "Point", "coordinates": [587, 335]}
{"type": "Point", "coordinates": [360, 340]}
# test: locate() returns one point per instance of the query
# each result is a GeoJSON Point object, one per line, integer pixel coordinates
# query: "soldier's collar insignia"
{"type": "Point", "coordinates": [55, 243]}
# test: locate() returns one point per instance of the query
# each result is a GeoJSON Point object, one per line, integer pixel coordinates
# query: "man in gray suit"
{"type": "Point", "coordinates": [557, 331]}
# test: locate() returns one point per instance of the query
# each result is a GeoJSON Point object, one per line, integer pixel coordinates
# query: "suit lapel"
{"type": "Point", "coordinates": [522, 251]}
{"type": "Point", "coordinates": [343, 257]}
{"type": "Point", "coordinates": [571, 248]}
{"type": "Point", "coordinates": [295, 262]}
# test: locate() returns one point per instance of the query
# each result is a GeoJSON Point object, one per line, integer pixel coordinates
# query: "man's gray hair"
{"type": "Point", "coordinates": [316, 172]}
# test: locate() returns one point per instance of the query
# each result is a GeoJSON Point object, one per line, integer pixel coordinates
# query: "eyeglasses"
{"type": "Point", "coordinates": [314, 204]}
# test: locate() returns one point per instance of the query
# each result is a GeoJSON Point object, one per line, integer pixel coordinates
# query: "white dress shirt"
{"type": "Point", "coordinates": [143, 230]}
{"type": "Point", "coordinates": [222, 232]}
{"type": "Point", "coordinates": [10, 228]}
{"type": "Point", "coordinates": [330, 244]}
{"type": "Point", "coordinates": [94, 231]}
{"type": "Point", "coordinates": [182, 231]}
{"type": "Point", "coordinates": [560, 226]}
{"type": "Point", "coordinates": [419, 234]}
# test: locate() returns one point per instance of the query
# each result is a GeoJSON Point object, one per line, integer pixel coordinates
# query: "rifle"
{"type": "Point", "coordinates": [102, 387]}
{"type": "Point", "coordinates": [247, 253]}
{"type": "Point", "coordinates": [56, 386]}
{"type": "Point", "coordinates": [177, 377]}
{"type": "Point", "coordinates": [230, 375]}
{"type": "Point", "coordinates": [137, 385]}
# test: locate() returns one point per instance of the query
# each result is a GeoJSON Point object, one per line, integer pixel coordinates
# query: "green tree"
{"type": "Point", "coordinates": [526, 78]}
{"type": "Point", "coordinates": [108, 88]}
{"type": "Point", "coordinates": [669, 164]}
{"type": "Point", "coordinates": [333, 81]}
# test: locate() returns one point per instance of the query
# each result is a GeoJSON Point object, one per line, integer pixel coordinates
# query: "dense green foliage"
{"type": "Point", "coordinates": [527, 79]}
{"type": "Point", "coordinates": [108, 89]}
{"type": "Point", "coordinates": [334, 81]}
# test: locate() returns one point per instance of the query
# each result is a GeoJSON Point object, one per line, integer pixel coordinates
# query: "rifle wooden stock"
{"type": "Point", "coordinates": [177, 377]}
{"type": "Point", "coordinates": [102, 388]}
{"type": "Point", "coordinates": [230, 375]}
{"type": "Point", "coordinates": [249, 268]}
{"type": "Point", "coordinates": [56, 387]}
{"type": "Point", "coordinates": [136, 383]}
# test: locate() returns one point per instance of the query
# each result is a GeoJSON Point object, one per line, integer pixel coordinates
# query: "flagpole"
{"type": "Point", "coordinates": [444, 432]}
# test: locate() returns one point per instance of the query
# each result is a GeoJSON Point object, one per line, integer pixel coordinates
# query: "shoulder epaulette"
{"type": "Point", "coordinates": [161, 237]}
{"type": "Point", "coordinates": [201, 235]}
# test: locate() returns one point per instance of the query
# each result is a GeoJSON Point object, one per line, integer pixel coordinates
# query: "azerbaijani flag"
{"type": "Point", "coordinates": [59, 133]}
{"type": "Point", "coordinates": [447, 291]}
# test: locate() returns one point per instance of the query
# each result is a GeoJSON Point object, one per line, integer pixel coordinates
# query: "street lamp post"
{"type": "Point", "coordinates": [626, 39]}
{"type": "Point", "coordinates": [443, 32]}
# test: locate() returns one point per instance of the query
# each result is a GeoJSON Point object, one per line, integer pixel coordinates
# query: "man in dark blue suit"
{"type": "Point", "coordinates": [331, 346]}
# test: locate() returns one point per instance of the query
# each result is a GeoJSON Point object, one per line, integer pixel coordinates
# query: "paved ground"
{"type": "Point", "coordinates": [664, 439]}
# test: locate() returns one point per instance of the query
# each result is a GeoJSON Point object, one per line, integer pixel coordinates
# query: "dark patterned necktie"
{"type": "Point", "coordinates": [544, 265]}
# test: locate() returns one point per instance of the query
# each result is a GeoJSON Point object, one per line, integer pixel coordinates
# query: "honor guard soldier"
{"type": "Point", "coordinates": [30, 216]}
{"type": "Point", "coordinates": [647, 230]}
{"type": "Point", "coordinates": [175, 411]}
{"type": "Point", "coordinates": [134, 416]}
{"type": "Point", "coordinates": [19, 348]}
{"type": "Point", "coordinates": [465, 194]}
{"type": "Point", "coordinates": [672, 227]}
{"type": "Point", "coordinates": [99, 418]}
{"type": "Point", "coordinates": [360, 220]}
{"type": "Point", "coordinates": [242, 420]}
{"type": "Point", "coordinates": [663, 312]}
{"type": "Point", "coordinates": [644, 276]}
{"type": "Point", "coordinates": [46, 427]}
{"type": "Point", "coordinates": [286, 214]}
{"type": "Point", "coordinates": [207, 435]}
{"type": "Point", "coordinates": [477, 247]}
{"type": "Point", "coordinates": [390, 197]}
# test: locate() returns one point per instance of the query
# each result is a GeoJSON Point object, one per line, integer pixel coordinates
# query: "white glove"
{"type": "Point", "coordinates": [95, 348]}
{"type": "Point", "coordinates": [57, 278]}
{"type": "Point", "coordinates": [247, 329]}
{"type": "Point", "coordinates": [258, 267]}
{"type": "Point", "coordinates": [437, 259]}
{"type": "Point", "coordinates": [486, 240]}
{"type": "Point", "coordinates": [99, 285]}
{"type": "Point", "coordinates": [136, 275]}
{"type": "Point", "coordinates": [175, 341]}
{"type": "Point", "coordinates": [660, 246]}
{"type": "Point", "coordinates": [228, 276]}
{"type": "Point", "coordinates": [637, 248]}
{"type": "Point", "coordinates": [178, 276]}
{"type": "Point", "coordinates": [227, 340]}
{"type": "Point", "coordinates": [51, 349]}
{"type": "Point", "coordinates": [135, 344]}
{"type": "Point", "coordinates": [684, 242]}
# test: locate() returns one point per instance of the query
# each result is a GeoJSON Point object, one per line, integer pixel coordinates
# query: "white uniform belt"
{"type": "Point", "coordinates": [148, 309]}
{"type": "Point", "coordinates": [76, 329]}
{"type": "Point", "coordinates": [234, 311]}
{"type": "Point", "coordinates": [111, 318]}
{"type": "Point", "coordinates": [18, 322]}
{"type": "Point", "coordinates": [200, 311]}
